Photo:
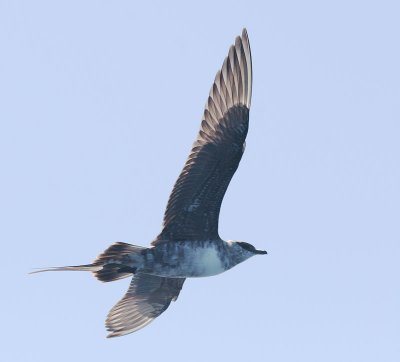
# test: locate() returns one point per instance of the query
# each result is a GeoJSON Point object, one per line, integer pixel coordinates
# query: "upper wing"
{"type": "Point", "coordinates": [147, 297]}
{"type": "Point", "coordinates": [193, 207]}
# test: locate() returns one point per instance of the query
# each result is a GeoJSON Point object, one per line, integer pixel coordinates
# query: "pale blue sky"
{"type": "Point", "coordinates": [100, 103]}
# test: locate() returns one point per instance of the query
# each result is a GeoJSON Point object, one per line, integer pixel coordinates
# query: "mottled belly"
{"type": "Point", "coordinates": [185, 261]}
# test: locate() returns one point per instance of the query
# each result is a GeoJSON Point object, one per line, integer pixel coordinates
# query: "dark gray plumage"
{"type": "Point", "coordinates": [193, 207]}
{"type": "Point", "coordinates": [189, 244]}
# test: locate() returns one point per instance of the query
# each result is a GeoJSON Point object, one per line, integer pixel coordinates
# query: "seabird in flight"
{"type": "Point", "coordinates": [189, 244]}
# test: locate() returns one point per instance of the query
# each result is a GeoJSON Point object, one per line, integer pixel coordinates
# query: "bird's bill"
{"type": "Point", "coordinates": [261, 252]}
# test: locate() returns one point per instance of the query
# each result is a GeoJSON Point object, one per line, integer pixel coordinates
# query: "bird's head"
{"type": "Point", "coordinates": [241, 251]}
{"type": "Point", "coordinates": [250, 248]}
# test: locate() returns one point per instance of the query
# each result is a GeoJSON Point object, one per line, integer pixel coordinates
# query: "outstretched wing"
{"type": "Point", "coordinates": [147, 297]}
{"type": "Point", "coordinates": [193, 208]}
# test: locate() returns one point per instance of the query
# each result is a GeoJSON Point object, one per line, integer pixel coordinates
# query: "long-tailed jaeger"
{"type": "Point", "coordinates": [189, 244]}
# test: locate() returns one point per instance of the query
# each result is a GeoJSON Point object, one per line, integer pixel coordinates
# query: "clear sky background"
{"type": "Point", "coordinates": [100, 104]}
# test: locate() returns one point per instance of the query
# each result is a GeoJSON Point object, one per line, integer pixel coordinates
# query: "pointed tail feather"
{"type": "Point", "coordinates": [113, 264]}
{"type": "Point", "coordinates": [87, 267]}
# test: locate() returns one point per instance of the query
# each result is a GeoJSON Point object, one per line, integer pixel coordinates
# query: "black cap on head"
{"type": "Point", "coordinates": [251, 248]}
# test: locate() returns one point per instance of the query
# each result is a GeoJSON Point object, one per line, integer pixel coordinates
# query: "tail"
{"type": "Point", "coordinates": [113, 264]}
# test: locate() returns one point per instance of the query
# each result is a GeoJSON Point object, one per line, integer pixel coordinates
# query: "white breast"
{"type": "Point", "coordinates": [207, 262]}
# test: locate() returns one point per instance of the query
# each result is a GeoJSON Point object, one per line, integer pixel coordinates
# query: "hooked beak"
{"type": "Point", "coordinates": [261, 252]}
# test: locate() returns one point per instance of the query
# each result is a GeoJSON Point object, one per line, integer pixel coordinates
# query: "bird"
{"type": "Point", "coordinates": [189, 244]}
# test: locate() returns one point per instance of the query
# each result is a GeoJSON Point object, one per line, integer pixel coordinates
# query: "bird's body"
{"type": "Point", "coordinates": [189, 245]}
{"type": "Point", "coordinates": [187, 259]}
